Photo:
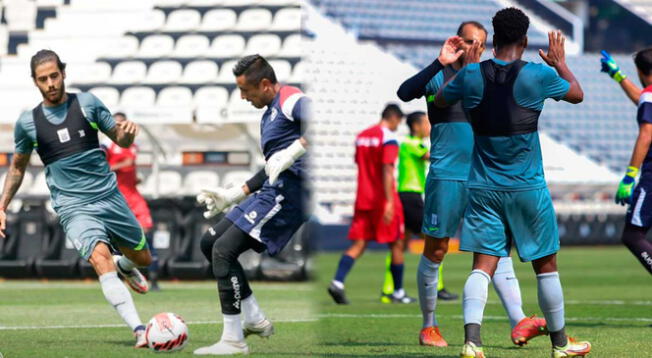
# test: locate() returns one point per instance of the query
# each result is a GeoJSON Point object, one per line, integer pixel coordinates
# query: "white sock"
{"type": "Point", "coordinates": [507, 288]}
{"type": "Point", "coordinates": [427, 278]}
{"type": "Point", "coordinates": [338, 284]}
{"type": "Point", "coordinates": [551, 300]}
{"type": "Point", "coordinates": [251, 310]}
{"type": "Point", "coordinates": [126, 264]}
{"type": "Point", "coordinates": [232, 328]}
{"type": "Point", "coordinates": [118, 296]}
{"type": "Point", "coordinates": [475, 296]}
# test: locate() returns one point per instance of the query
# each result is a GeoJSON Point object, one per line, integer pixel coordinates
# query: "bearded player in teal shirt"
{"type": "Point", "coordinates": [508, 198]}
{"type": "Point", "coordinates": [63, 130]}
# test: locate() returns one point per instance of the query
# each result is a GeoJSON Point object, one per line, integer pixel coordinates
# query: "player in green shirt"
{"type": "Point", "coordinates": [412, 166]}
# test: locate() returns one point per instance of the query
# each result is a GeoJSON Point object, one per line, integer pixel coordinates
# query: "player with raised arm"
{"type": "Point", "coordinates": [122, 161]}
{"type": "Point", "coordinates": [639, 213]}
{"type": "Point", "coordinates": [272, 211]}
{"type": "Point", "coordinates": [378, 212]}
{"type": "Point", "coordinates": [509, 202]}
{"type": "Point", "coordinates": [93, 213]}
{"type": "Point", "coordinates": [451, 140]}
{"type": "Point", "coordinates": [610, 67]}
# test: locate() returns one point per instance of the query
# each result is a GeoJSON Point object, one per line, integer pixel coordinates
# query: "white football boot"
{"type": "Point", "coordinates": [223, 348]}
{"type": "Point", "coordinates": [263, 329]}
{"type": "Point", "coordinates": [141, 339]}
{"type": "Point", "coordinates": [134, 278]}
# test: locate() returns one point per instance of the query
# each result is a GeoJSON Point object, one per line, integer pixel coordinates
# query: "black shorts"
{"type": "Point", "coordinates": [412, 210]}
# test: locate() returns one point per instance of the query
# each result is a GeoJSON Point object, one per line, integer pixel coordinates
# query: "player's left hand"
{"type": "Point", "coordinates": [128, 127]}
{"type": "Point", "coordinates": [283, 159]}
{"type": "Point", "coordinates": [626, 187]}
{"type": "Point", "coordinates": [556, 53]}
{"type": "Point", "coordinates": [474, 53]}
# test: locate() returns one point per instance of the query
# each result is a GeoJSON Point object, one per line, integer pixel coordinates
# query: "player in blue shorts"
{"type": "Point", "coordinates": [508, 198]}
{"type": "Point", "coordinates": [273, 210]}
{"type": "Point", "coordinates": [639, 213]}
{"type": "Point", "coordinates": [63, 131]}
{"type": "Point", "coordinates": [451, 139]}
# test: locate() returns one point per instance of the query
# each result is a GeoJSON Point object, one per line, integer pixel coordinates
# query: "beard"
{"type": "Point", "coordinates": [55, 97]}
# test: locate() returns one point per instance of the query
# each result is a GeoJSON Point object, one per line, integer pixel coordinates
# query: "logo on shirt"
{"type": "Point", "coordinates": [273, 115]}
{"type": "Point", "coordinates": [251, 216]}
{"type": "Point", "coordinates": [82, 134]}
{"type": "Point", "coordinates": [64, 135]}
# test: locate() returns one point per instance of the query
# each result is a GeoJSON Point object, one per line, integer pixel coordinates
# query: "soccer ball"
{"type": "Point", "coordinates": [166, 332]}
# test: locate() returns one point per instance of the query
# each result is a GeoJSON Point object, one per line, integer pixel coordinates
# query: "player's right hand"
{"type": "Point", "coordinates": [219, 200]}
{"type": "Point", "coordinates": [610, 67]}
{"type": "Point", "coordinates": [451, 50]}
{"type": "Point", "coordinates": [626, 187]}
{"type": "Point", "coordinates": [3, 223]}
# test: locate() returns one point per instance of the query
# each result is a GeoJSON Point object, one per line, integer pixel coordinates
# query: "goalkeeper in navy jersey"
{"type": "Point", "coordinates": [271, 203]}
{"type": "Point", "coordinates": [639, 213]}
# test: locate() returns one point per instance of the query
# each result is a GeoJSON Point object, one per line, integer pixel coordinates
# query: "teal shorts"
{"type": "Point", "coordinates": [496, 219]}
{"type": "Point", "coordinates": [444, 207]}
{"type": "Point", "coordinates": [107, 220]}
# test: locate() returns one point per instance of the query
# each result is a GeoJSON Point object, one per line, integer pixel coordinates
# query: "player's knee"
{"type": "Point", "coordinates": [221, 260]}
{"type": "Point", "coordinates": [145, 259]}
{"type": "Point", "coordinates": [206, 245]}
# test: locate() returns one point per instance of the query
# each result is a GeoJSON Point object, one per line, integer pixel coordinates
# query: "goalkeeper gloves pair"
{"type": "Point", "coordinates": [222, 198]}
{"type": "Point", "coordinates": [626, 187]}
{"type": "Point", "coordinates": [610, 66]}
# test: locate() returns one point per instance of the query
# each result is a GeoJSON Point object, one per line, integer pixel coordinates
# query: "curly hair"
{"type": "Point", "coordinates": [510, 26]}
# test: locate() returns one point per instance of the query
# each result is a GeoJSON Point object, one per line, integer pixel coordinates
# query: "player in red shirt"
{"type": "Point", "coordinates": [122, 161]}
{"type": "Point", "coordinates": [378, 213]}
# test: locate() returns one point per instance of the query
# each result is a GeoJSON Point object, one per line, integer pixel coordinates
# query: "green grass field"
{"type": "Point", "coordinates": [608, 302]}
{"type": "Point", "coordinates": [72, 319]}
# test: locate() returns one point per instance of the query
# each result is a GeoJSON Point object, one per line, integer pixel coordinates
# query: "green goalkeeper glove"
{"type": "Point", "coordinates": [626, 186]}
{"type": "Point", "coordinates": [610, 66]}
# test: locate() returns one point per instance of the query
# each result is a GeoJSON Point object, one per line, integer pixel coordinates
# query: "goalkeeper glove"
{"type": "Point", "coordinates": [610, 66]}
{"type": "Point", "coordinates": [220, 199]}
{"type": "Point", "coordinates": [283, 159]}
{"type": "Point", "coordinates": [626, 186]}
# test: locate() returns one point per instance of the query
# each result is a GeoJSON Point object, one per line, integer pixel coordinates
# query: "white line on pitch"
{"type": "Point", "coordinates": [493, 318]}
{"type": "Point", "coordinates": [15, 328]}
{"type": "Point", "coordinates": [332, 315]}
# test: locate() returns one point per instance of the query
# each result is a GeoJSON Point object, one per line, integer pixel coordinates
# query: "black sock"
{"type": "Point", "coordinates": [559, 338]}
{"type": "Point", "coordinates": [634, 239]}
{"type": "Point", "coordinates": [472, 334]}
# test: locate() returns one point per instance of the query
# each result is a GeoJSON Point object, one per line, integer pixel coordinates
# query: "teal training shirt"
{"type": "Point", "coordinates": [513, 162]}
{"type": "Point", "coordinates": [451, 144]}
{"type": "Point", "coordinates": [80, 178]}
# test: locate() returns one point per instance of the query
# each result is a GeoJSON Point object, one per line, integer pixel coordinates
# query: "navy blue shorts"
{"type": "Point", "coordinates": [273, 214]}
{"type": "Point", "coordinates": [639, 212]}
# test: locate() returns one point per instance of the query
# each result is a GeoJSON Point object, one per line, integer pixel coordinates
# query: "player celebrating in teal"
{"type": "Point", "coordinates": [63, 130]}
{"type": "Point", "coordinates": [639, 213]}
{"type": "Point", "coordinates": [451, 140]}
{"type": "Point", "coordinates": [508, 198]}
